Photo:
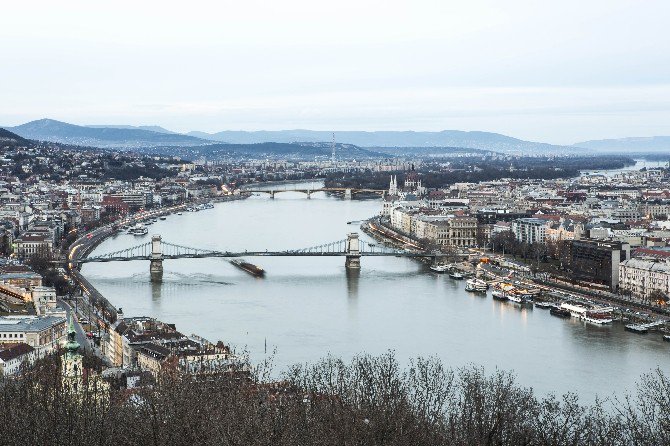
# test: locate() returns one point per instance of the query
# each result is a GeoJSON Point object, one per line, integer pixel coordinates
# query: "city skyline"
{"type": "Point", "coordinates": [558, 74]}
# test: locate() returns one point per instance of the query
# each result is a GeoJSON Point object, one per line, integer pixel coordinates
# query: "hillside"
{"type": "Point", "coordinates": [56, 131]}
{"type": "Point", "coordinates": [636, 144]}
{"type": "Point", "coordinates": [446, 138]}
{"type": "Point", "coordinates": [9, 139]}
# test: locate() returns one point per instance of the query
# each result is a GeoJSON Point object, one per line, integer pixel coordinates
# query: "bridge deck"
{"type": "Point", "coordinates": [259, 254]}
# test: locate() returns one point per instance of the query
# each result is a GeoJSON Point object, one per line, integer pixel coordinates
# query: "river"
{"type": "Point", "coordinates": [306, 308]}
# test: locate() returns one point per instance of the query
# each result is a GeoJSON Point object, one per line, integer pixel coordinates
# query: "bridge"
{"type": "Point", "coordinates": [347, 192]}
{"type": "Point", "coordinates": [157, 250]}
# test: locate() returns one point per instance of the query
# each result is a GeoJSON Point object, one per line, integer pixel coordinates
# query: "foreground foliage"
{"type": "Point", "coordinates": [369, 401]}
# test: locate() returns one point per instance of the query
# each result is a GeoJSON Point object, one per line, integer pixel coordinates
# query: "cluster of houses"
{"type": "Point", "coordinates": [616, 227]}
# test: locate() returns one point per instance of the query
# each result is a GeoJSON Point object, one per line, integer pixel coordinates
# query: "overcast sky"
{"type": "Point", "coordinates": [554, 71]}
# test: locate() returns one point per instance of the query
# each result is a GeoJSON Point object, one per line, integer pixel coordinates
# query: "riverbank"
{"type": "Point", "coordinates": [106, 313]}
{"type": "Point", "coordinates": [625, 309]}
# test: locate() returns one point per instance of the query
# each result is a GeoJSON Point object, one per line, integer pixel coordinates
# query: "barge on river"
{"type": "Point", "coordinates": [250, 268]}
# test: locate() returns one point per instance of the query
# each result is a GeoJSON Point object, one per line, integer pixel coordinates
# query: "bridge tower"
{"type": "Point", "coordinates": [156, 267]}
{"type": "Point", "coordinates": [272, 194]}
{"type": "Point", "coordinates": [353, 251]}
{"type": "Point", "coordinates": [347, 194]}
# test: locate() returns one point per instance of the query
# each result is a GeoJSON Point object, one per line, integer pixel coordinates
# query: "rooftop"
{"type": "Point", "coordinates": [28, 323]}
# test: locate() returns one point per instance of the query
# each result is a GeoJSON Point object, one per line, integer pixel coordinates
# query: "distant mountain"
{"type": "Point", "coordinates": [9, 139]}
{"type": "Point", "coordinates": [636, 144]}
{"type": "Point", "coordinates": [105, 137]}
{"type": "Point", "coordinates": [151, 128]}
{"type": "Point", "coordinates": [445, 138]}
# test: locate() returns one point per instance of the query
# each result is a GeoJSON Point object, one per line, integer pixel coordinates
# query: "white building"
{"type": "Point", "coordinates": [530, 230]}
{"type": "Point", "coordinates": [642, 276]}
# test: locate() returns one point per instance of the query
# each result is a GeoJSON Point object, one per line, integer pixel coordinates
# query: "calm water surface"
{"type": "Point", "coordinates": [306, 308]}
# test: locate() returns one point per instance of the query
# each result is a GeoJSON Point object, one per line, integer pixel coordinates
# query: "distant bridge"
{"type": "Point", "coordinates": [157, 250]}
{"type": "Point", "coordinates": [347, 192]}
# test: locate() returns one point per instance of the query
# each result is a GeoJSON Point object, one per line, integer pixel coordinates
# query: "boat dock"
{"type": "Point", "coordinates": [643, 328]}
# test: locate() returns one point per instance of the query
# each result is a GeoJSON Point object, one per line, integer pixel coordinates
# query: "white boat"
{"type": "Point", "coordinates": [178, 213]}
{"type": "Point", "coordinates": [499, 295]}
{"type": "Point", "coordinates": [163, 217]}
{"type": "Point", "coordinates": [138, 229]}
{"type": "Point", "coordinates": [476, 285]}
{"type": "Point", "coordinates": [439, 268]}
{"type": "Point", "coordinates": [456, 275]}
{"type": "Point", "coordinates": [603, 316]}
{"type": "Point", "coordinates": [574, 308]}
{"type": "Point", "coordinates": [514, 297]}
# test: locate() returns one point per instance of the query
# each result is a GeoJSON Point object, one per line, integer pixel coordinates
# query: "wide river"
{"type": "Point", "coordinates": [307, 307]}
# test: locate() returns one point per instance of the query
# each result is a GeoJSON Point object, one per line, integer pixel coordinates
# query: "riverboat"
{"type": "Point", "coordinates": [439, 268]}
{"type": "Point", "coordinates": [598, 317]}
{"type": "Point", "coordinates": [560, 312]}
{"type": "Point", "coordinates": [516, 297]}
{"type": "Point", "coordinates": [544, 304]}
{"type": "Point", "coordinates": [456, 275]}
{"type": "Point", "coordinates": [163, 217]}
{"type": "Point", "coordinates": [476, 285]}
{"type": "Point", "coordinates": [499, 295]}
{"type": "Point", "coordinates": [249, 268]}
{"type": "Point", "coordinates": [574, 308]}
{"type": "Point", "coordinates": [138, 229]}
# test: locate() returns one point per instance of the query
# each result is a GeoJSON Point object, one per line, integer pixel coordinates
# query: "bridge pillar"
{"type": "Point", "coordinates": [309, 194]}
{"type": "Point", "coordinates": [347, 196]}
{"type": "Point", "coordinates": [272, 194]}
{"type": "Point", "coordinates": [353, 251]}
{"type": "Point", "coordinates": [156, 267]}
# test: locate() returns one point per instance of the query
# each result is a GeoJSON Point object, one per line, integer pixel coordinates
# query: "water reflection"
{"type": "Point", "coordinates": [353, 276]}
{"type": "Point", "coordinates": [156, 290]}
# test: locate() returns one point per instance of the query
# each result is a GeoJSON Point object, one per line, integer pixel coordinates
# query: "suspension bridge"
{"type": "Point", "coordinates": [157, 250]}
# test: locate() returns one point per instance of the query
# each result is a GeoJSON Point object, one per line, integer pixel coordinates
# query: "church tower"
{"type": "Point", "coordinates": [72, 367]}
{"type": "Point", "coordinates": [393, 186]}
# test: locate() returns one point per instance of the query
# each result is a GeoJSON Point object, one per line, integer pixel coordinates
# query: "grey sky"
{"type": "Point", "coordinates": [543, 70]}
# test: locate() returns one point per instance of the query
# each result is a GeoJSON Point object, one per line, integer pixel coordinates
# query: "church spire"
{"type": "Point", "coordinates": [72, 346]}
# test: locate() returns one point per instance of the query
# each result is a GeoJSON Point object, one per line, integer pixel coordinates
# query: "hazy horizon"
{"type": "Point", "coordinates": [557, 73]}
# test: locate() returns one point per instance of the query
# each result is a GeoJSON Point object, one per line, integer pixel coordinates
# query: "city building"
{"type": "Point", "coordinates": [13, 356]}
{"type": "Point", "coordinates": [43, 333]}
{"type": "Point", "coordinates": [530, 230]}
{"type": "Point", "coordinates": [641, 276]}
{"type": "Point", "coordinates": [596, 261]}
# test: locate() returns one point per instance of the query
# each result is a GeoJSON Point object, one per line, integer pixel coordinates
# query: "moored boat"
{"type": "Point", "coordinates": [515, 297]}
{"type": "Point", "coordinates": [456, 275]}
{"type": "Point", "coordinates": [439, 268]}
{"type": "Point", "coordinates": [544, 304]}
{"type": "Point", "coordinates": [499, 295]}
{"type": "Point", "coordinates": [598, 317]}
{"type": "Point", "coordinates": [560, 312]}
{"type": "Point", "coordinates": [476, 285]}
{"type": "Point", "coordinates": [575, 309]}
